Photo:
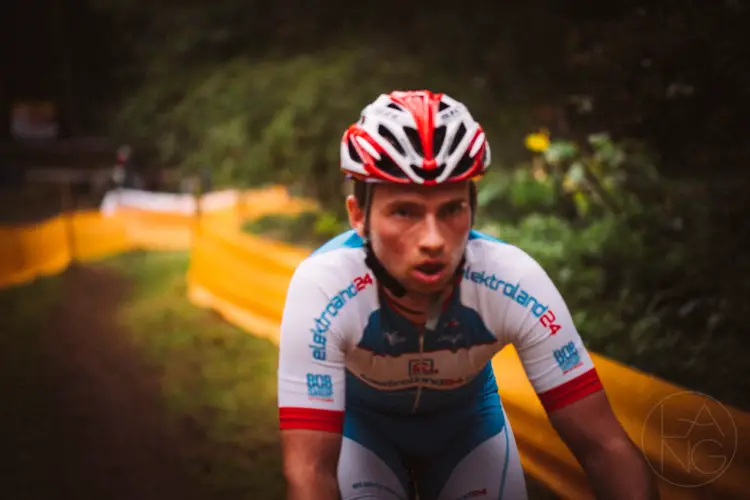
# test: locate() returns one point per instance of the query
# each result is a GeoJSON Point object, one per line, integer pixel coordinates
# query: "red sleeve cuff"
{"type": "Point", "coordinates": [571, 391]}
{"type": "Point", "coordinates": [312, 419]}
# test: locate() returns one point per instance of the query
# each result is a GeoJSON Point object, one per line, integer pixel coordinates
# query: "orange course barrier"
{"type": "Point", "coordinates": [128, 221]}
{"type": "Point", "coordinates": [698, 447]}
{"type": "Point", "coordinates": [31, 251]}
{"type": "Point", "coordinates": [48, 248]}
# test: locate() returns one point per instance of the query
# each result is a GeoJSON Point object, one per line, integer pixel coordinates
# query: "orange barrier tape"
{"type": "Point", "coordinates": [27, 252]}
{"type": "Point", "coordinates": [31, 251]}
{"type": "Point", "coordinates": [96, 236]}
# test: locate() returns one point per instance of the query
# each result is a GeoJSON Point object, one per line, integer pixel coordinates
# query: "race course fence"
{"type": "Point", "coordinates": [698, 447]}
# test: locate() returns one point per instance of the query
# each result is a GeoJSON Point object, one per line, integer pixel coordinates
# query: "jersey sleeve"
{"type": "Point", "coordinates": [311, 357]}
{"type": "Point", "coordinates": [552, 352]}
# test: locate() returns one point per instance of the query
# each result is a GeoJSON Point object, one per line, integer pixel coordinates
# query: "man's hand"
{"type": "Point", "coordinates": [614, 465]}
{"type": "Point", "coordinates": [310, 464]}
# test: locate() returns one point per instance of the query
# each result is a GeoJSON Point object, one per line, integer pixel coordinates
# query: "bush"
{"type": "Point", "coordinates": [277, 120]}
{"type": "Point", "coordinates": [636, 258]}
{"type": "Point", "coordinates": [307, 229]}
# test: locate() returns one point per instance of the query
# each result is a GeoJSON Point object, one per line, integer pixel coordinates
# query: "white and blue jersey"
{"type": "Point", "coordinates": [350, 363]}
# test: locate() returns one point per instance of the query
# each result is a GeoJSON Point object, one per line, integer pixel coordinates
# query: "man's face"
{"type": "Point", "coordinates": [418, 233]}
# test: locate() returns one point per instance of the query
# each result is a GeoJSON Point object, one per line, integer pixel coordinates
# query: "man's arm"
{"type": "Point", "coordinates": [310, 462]}
{"type": "Point", "coordinates": [613, 464]}
{"type": "Point", "coordinates": [563, 375]}
{"type": "Point", "coordinates": [311, 387]}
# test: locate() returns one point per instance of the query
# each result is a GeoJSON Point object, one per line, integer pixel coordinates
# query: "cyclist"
{"type": "Point", "coordinates": [388, 332]}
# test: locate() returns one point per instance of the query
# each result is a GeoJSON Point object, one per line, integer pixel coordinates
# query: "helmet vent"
{"type": "Point", "coordinates": [416, 142]}
{"type": "Point", "coordinates": [463, 165]}
{"type": "Point", "coordinates": [353, 152]}
{"type": "Point", "coordinates": [460, 133]}
{"type": "Point", "coordinates": [388, 136]}
{"type": "Point", "coordinates": [387, 165]}
{"type": "Point", "coordinates": [429, 175]}
{"type": "Point", "coordinates": [438, 139]}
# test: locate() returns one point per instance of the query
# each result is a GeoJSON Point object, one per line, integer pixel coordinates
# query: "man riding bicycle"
{"type": "Point", "coordinates": [389, 329]}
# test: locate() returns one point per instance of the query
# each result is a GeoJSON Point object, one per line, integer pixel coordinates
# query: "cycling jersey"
{"type": "Point", "coordinates": [345, 350]}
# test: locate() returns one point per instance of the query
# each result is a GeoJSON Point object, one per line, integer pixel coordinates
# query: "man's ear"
{"type": "Point", "coordinates": [356, 215]}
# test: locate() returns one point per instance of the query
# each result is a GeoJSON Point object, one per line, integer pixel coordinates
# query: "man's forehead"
{"type": "Point", "coordinates": [425, 194]}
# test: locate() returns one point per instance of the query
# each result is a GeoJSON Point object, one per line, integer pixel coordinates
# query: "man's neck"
{"type": "Point", "coordinates": [417, 307]}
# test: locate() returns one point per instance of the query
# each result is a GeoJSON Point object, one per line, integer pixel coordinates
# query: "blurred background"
{"type": "Point", "coordinates": [618, 133]}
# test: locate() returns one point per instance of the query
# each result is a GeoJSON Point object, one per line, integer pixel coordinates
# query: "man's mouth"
{"type": "Point", "coordinates": [431, 268]}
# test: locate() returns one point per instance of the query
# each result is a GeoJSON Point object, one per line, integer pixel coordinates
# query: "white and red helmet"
{"type": "Point", "coordinates": [415, 137]}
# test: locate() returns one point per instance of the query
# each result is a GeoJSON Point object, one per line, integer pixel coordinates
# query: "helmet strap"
{"type": "Point", "coordinates": [378, 269]}
{"type": "Point", "coordinates": [381, 274]}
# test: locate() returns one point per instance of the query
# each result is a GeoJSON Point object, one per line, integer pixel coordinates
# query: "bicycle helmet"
{"type": "Point", "coordinates": [415, 137]}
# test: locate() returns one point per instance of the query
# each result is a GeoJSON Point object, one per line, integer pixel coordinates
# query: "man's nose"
{"type": "Point", "coordinates": [432, 241]}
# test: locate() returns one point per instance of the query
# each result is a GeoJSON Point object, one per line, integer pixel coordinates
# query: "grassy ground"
{"type": "Point", "coordinates": [219, 383]}
{"type": "Point", "coordinates": [25, 384]}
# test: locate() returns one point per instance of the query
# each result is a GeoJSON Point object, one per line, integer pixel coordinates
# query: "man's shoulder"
{"type": "Point", "coordinates": [487, 251]}
{"type": "Point", "coordinates": [335, 263]}
{"type": "Point", "coordinates": [347, 240]}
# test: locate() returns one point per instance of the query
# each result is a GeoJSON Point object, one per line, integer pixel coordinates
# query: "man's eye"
{"type": "Point", "coordinates": [402, 212]}
{"type": "Point", "coordinates": [452, 210]}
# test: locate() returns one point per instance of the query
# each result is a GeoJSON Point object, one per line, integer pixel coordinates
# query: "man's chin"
{"type": "Point", "coordinates": [421, 288]}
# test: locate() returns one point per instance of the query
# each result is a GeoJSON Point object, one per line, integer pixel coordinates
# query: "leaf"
{"type": "Point", "coordinates": [559, 151]}
{"type": "Point", "coordinates": [576, 173]}
{"type": "Point", "coordinates": [488, 193]}
{"type": "Point", "coordinates": [582, 203]}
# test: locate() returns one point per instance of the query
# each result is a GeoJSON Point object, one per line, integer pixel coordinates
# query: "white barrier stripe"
{"type": "Point", "coordinates": [166, 202]}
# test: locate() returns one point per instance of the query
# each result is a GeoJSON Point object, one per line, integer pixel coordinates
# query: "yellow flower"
{"type": "Point", "coordinates": [538, 142]}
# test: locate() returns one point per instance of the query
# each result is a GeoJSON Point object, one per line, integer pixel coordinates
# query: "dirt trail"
{"type": "Point", "coordinates": [104, 436]}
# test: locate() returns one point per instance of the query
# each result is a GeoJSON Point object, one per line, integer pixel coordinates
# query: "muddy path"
{"type": "Point", "coordinates": [95, 428]}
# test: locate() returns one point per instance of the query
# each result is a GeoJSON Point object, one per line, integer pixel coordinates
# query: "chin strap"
{"type": "Point", "coordinates": [384, 277]}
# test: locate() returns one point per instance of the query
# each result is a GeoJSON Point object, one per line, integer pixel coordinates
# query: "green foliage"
{"type": "Point", "coordinates": [584, 182]}
{"type": "Point", "coordinates": [633, 255]}
{"type": "Point", "coordinates": [281, 119]}
{"type": "Point", "coordinates": [307, 229]}
{"type": "Point", "coordinates": [511, 192]}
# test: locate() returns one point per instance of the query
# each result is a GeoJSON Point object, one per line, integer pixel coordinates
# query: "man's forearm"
{"type": "Point", "coordinates": [318, 487]}
{"type": "Point", "coordinates": [620, 473]}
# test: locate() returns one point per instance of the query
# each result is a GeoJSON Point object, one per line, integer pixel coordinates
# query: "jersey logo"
{"type": "Point", "coordinates": [567, 357]}
{"type": "Point", "coordinates": [394, 338]}
{"type": "Point", "coordinates": [514, 291]}
{"type": "Point", "coordinates": [361, 282]}
{"type": "Point", "coordinates": [319, 387]}
{"type": "Point", "coordinates": [322, 323]}
{"type": "Point", "coordinates": [424, 366]}
{"type": "Point", "coordinates": [452, 338]}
